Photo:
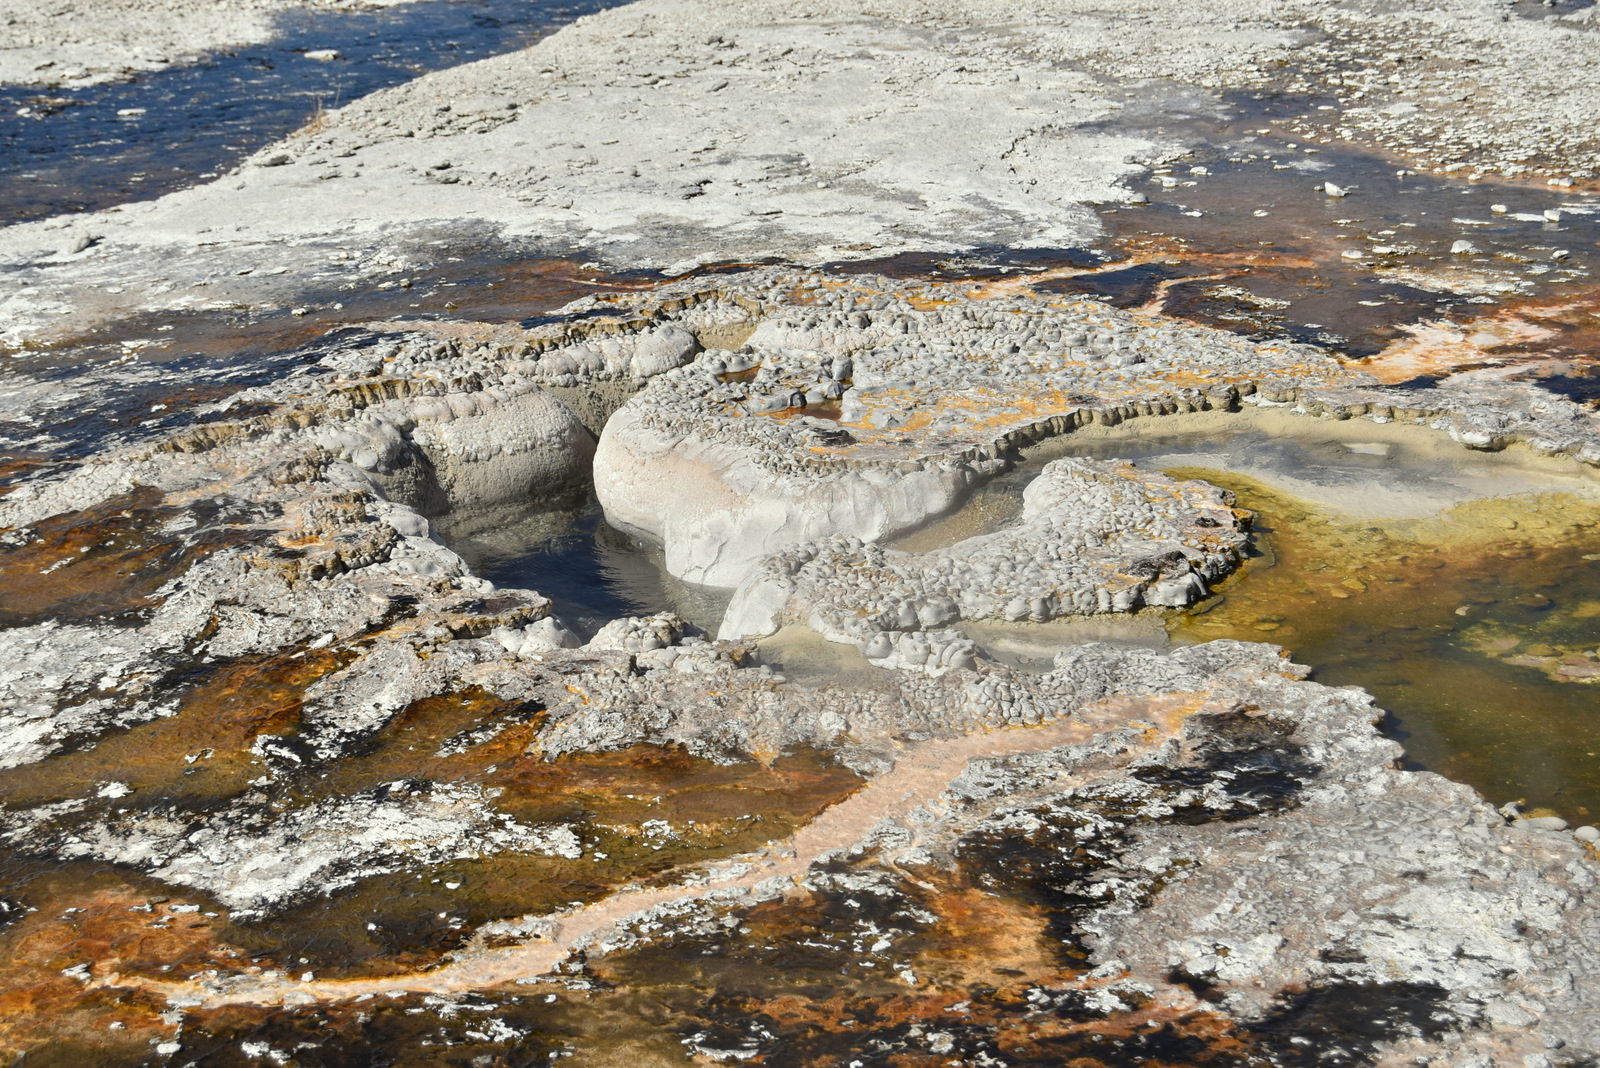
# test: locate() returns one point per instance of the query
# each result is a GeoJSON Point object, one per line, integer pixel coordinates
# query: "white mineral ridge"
{"type": "Point", "coordinates": [1094, 536]}
{"type": "Point", "coordinates": [718, 514]}
{"type": "Point", "coordinates": [321, 848]}
{"type": "Point", "coordinates": [486, 453]}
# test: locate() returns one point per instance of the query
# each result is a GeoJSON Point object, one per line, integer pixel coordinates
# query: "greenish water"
{"type": "Point", "coordinates": [1462, 590]}
{"type": "Point", "coordinates": [1483, 653]}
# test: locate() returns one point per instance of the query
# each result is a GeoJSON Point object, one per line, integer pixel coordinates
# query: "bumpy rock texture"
{"type": "Point", "coordinates": [297, 692]}
{"type": "Point", "coordinates": [733, 131]}
{"type": "Point", "coordinates": [282, 780]}
{"type": "Point", "coordinates": [864, 413]}
{"type": "Point", "coordinates": [1093, 537]}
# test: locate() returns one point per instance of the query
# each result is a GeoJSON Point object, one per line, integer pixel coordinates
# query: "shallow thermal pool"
{"type": "Point", "coordinates": [592, 572]}
{"type": "Point", "coordinates": [1461, 589]}
{"type": "Point", "coordinates": [1483, 652]}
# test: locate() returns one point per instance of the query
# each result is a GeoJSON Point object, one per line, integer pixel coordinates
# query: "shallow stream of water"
{"type": "Point", "coordinates": [72, 150]}
{"type": "Point", "coordinates": [1247, 217]}
{"type": "Point", "coordinates": [1240, 234]}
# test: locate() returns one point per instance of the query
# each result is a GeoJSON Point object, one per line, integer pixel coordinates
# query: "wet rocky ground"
{"type": "Point", "coordinates": [1129, 596]}
{"type": "Point", "coordinates": [133, 138]}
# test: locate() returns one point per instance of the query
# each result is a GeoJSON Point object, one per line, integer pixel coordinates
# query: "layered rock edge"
{"type": "Point", "coordinates": [305, 527]}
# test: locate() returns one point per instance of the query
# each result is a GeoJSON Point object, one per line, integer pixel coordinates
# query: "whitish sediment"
{"type": "Point", "coordinates": [65, 45]}
{"type": "Point", "coordinates": [307, 531]}
{"type": "Point", "coordinates": [931, 390]}
{"type": "Point", "coordinates": [730, 131]}
{"type": "Point", "coordinates": [1213, 831]}
{"type": "Point", "coordinates": [1093, 537]}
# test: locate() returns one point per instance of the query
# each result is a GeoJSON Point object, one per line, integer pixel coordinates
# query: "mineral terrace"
{"type": "Point", "coordinates": [283, 781]}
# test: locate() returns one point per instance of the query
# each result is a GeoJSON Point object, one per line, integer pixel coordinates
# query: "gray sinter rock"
{"type": "Point", "coordinates": [1256, 836]}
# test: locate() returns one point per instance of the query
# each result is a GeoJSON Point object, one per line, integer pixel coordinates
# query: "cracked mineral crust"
{"type": "Point", "coordinates": [282, 776]}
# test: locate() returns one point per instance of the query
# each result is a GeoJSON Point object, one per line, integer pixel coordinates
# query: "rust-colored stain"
{"type": "Point", "coordinates": [966, 970]}
{"type": "Point", "coordinates": [840, 812]}
{"type": "Point", "coordinates": [712, 810]}
{"type": "Point", "coordinates": [16, 468]}
{"type": "Point", "coordinates": [91, 926]}
{"type": "Point", "coordinates": [202, 752]}
{"type": "Point", "coordinates": [99, 952]}
{"type": "Point", "coordinates": [104, 562]}
{"type": "Point", "coordinates": [1539, 337]}
{"type": "Point", "coordinates": [105, 919]}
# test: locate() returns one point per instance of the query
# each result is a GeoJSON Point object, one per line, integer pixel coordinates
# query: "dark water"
{"type": "Point", "coordinates": [979, 264]}
{"type": "Point", "coordinates": [1239, 234]}
{"type": "Point", "coordinates": [148, 375]}
{"type": "Point", "coordinates": [1547, 9]}
{"type": "Point", "coordinates": [1465, 697]}
{"type": "Point", "coordinates": [593, 572]}
{"type": "Point", "coordinates": [72, 150]}
{"type": "Point", "coordinates": [1265, 248]}
{"type": "Point", "coordinates": [1250, 246]}
{"type": "Point", "coordinates": [108, 395]}
{"type": "Point", "coordinates": [1484, 651]}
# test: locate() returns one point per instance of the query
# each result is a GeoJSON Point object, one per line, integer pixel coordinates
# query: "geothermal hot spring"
{"type": "Point", "coordinates": [541, 655]}
{"type": "Point", "coordinates": [1459, 588]}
